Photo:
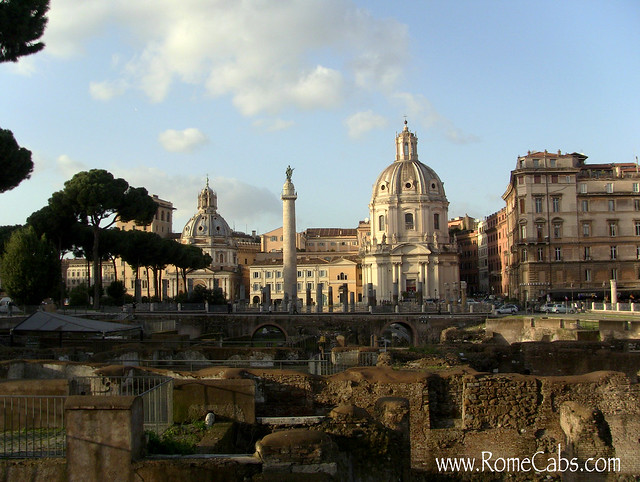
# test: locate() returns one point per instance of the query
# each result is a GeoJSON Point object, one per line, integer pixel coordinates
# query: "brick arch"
{"type": "Point", "coordinates": [272, 324]}
{"type": "Point", "coordinates": [407, 324]}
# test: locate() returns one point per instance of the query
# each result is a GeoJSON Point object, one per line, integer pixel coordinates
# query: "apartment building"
{"type": "Point", "coordinates": [572, 227]}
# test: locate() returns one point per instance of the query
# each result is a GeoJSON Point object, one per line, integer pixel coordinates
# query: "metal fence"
{"type": "Point", "coordinates": [320, 365]}
{"type": "Point", "coordinates": [32, 426]}
{"type": "Point", "coordinates": [156, 393]}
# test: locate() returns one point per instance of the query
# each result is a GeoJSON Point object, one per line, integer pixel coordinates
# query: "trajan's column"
{"type": "Point", "coordinates": [290, 268]}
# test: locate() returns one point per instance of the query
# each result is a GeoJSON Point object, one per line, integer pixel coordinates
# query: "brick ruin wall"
{"type": "Point", "coordinates": [464, 413]}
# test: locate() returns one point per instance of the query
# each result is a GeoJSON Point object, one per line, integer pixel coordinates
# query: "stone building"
{"type": "Point", "coordinates": [409, 254]}
{"type": "Point", "coordinates": [573, 228]}
{"type": "Point", "coordinates": [162, 225]}
{"type": "Point", "coordinates": [313, 272]}
{"type": "Point", "coordinates": [209, 231]}
{"type": "Point", "coordinates": [465, 231]}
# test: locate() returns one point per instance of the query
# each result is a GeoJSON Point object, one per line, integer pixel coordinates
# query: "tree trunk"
{"type": "Point", "coordinates": [97, 272]}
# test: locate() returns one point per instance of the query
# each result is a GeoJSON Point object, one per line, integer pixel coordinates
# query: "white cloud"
{"type": "Point", "coordinates": [362, 122]}
{"type": "Point", "coordinates": [267, 56]}
{"type": "Point", "coordinates": [68, 167]}
{"type": "Point", "coordinates": [240, 204]}
{"type": "Point", "coordinates": [182, 141]}
{"type": "Point", "coordinates": [272, 125]}
{"type": "Point", "coordinates": [106, 90]}
{"type": "Point", "coordinates": [421, 111]}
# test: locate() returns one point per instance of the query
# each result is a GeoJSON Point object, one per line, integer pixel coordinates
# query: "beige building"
{"type": "Point", "coordinates": [409, 254]}
{"type": "Point", "coordinates": [75, 272]}
{"type": "Point", "coordinates": [572, 227]}
{"type": "Point", "coordinates": [312, 271]}
{"type": "Point", "coordinates": [162, 225]}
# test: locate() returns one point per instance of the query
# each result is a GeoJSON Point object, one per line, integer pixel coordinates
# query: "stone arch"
{"type": "Point", "coordinates": [263, 326]}
{"type": "Point", "coordinates": [402, 328]}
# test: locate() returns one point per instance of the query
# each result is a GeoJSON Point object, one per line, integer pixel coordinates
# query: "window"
{"type": "Point", "coordinates": [299, 286]}
{"type": "Point", "coordinates": [554, 179]}
{"type": "Point", "coordinates": [637, 228]}
{"type": "Point", "coordinates": [557, 230]}
{"type": "Point", "coordinates": [636, 187]}
{"type": "Point", "coordinates": [540, 254]}
{"type": "Point", "coordinates": [612, 205]}
{"type": "Point", "coordinates": [278, 286]}
{"type": "Point", "coordinates": [323, 273]}
{"type": "Point", "coordinates": [636, 204]}
{"type": "Point", "coordinates": [309, 286]}
{"type": "Point", "coordinates": [587, 275]}
{"type": "Point", "coordinates": [436, 221]}
{"type": "Point", "coordinates": [521, 203]}
{"type": "Point", "coordinates": [537, 179]}
{"type": "Point", "coordinates": [309, 274]}
{"type": "Point", "coordinates": [300, 274]}
{"type": "Point", "coordinates": [558, 254]}
{"type": "Point", "coordinates": [552, 163]}
{"type": "Point", "coordinates": [539, 231]}
{"type": "Point", "coordinates": [613, 252]}
{"type": "Point", "coordinates": [586, 230]}
{"type": "Point", "coordinates": [256, 274]}
{"type": "Point", "coordinates": [613, 229]}
{"type": "Point", "coordinates": [408, 221]}
{"type": "Point", "coordinates": [536, 163]}
{"type": "Point", "coordinates": [278, 273]}
{"type": "Point", "coordinates": [587, 252]}
{"type": "Point", "coordinates": [381, 222]}
{"type": "Point", "coordinates": [523, 232]}
{"type": "Point", "coordinates": [585, 206]}
{"type": "Point", "coordinates": [538, 204]}
{"type": "Point", "coordinates": [273, 238]}
{"type": "Point", "coordinates": [268, 274]}
{"type": "Point", "coordinates": [555, 204]}
{"type": "Point", "coordinates": [609, 187]}
{"type": "Point", "coordinates": [637, 252]}
{"type": "Point", "coordinates": [583, 188]}
{"type": "Point", "coordinates": [524, 255]}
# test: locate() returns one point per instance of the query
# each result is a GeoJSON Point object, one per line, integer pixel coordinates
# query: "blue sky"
{"type": "Point", "coordinates": [166, 92]}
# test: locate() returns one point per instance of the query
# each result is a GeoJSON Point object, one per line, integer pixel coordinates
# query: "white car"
{"type": "Point", "coordinates": [560, 308]}
{"type": "Point", "coordinates": [511, 309]}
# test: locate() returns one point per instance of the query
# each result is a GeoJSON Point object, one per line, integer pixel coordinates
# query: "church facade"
{"type": "Point", "coordinates": [409, 254]}
{"type": "Point", "coordinates": [209, 231]}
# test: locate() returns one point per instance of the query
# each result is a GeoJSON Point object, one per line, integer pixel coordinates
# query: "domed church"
{"type": "Point", "coordinates": [409, 255]}
{"type": "Point", "coordinates": [208, 230]}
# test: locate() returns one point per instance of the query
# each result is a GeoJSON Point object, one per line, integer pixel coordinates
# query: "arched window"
{"type": "Point", "coordinates": [381, 222]}
{"type": "Point", "coordinates": [408, 221]}
{"type": "Point", "coordinates": [406, 149]}
{"type": "Point", "coordinates": [436, 221]}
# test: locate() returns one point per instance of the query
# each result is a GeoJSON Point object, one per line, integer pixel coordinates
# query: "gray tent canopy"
{"type": "Point", "coordinates": [48, 322]}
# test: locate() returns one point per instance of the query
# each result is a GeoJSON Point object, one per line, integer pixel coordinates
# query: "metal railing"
{"type": "Point", "coordinates": [32, 426]}
{"type": "Point", "coordinates": [320, 365]}
{"type": "Point", "coordinates": [156, 393]}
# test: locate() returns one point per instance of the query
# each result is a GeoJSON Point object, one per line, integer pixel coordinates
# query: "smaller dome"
{"type": "Point", "coordinates": [207, 223]}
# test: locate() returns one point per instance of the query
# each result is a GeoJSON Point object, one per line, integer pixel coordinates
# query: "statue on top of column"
{"type": "Point", "coordinates": [289, 172]}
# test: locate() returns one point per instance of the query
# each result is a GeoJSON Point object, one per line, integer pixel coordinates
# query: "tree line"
{"type": "Point", "coordinates": [80, 220]}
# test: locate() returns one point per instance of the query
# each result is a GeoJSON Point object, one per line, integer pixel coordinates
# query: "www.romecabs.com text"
{"type": "Point", "coordinates": [539, 462]}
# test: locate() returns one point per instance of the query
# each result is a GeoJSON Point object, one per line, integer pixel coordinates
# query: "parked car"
{"type": "Point", "coordinates": [508, 309]}
{"type": "Point", "coordinates": [561, 308]}
{"type": "Point", "coordinates": [546, 308]}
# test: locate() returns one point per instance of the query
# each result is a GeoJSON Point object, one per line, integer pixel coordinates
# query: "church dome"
{"type": "Point", "coordinates": [407, 176]}
{"type": "Point", "coordinates": [206, 222]}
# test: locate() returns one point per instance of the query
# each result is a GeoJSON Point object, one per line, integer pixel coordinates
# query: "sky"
{"type": "Point", "coordinates": [168, 93]}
